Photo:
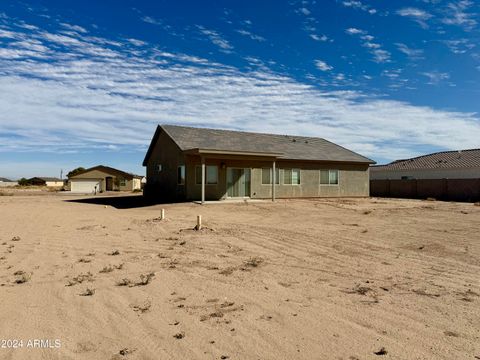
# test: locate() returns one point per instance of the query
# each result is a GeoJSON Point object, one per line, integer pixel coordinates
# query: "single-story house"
{"type": "Point", "coordinates": [446, 175]}
{"type": "Point", "coordinates": [188, 163]}
{"type": "Point", "coordinates": [4, 182]}
{"type": "Point", "coordinates": [459, 164]}
{"type": "Point", "coordinates": [46, 181]}
{"type": "Point", "coordinates": [103, 178]}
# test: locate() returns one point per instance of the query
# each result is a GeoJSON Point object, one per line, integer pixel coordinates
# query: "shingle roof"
{"type": "Point", "coordinates": [287, 146]}
{"type": "Point", "coordinates": [108, 170]}
{"type": "Point", "coordinates": [440, 160]}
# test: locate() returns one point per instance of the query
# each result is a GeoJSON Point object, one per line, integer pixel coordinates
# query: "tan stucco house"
{"type": "Point", "coordinates": [47, 181]}
{"type": "Point", "coordinates": [103, 178]}
{"type": "Point", "coordinates": [187, 163]}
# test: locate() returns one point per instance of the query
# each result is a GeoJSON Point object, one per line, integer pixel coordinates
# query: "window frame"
{"type": "Point", "coordinates": [330, 178]}
{"type": "Point", "coordinates": [181, 179]}
{"type": "Point", "coordinates": [292, 170]}
{"type": "Point", "coordinates": [198, 180]}
{"type": "Point", "coordinates": [122, 182]}
{"type": "Point", "coordinates": [277, 176]}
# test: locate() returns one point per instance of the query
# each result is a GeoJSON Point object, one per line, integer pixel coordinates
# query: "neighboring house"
{"type": "Point", "coordinates": [4, 182]}
{"type": "Point", "coordinates": [186, 163]}
{"type": "Point", "coordinates": [461, 164]}
{"type": "Point", "coordinates": [103, 178]}
{"type": "Point", "coordinates": [446, 175]}
{"type": "Point", "coordinates": [46, 181]}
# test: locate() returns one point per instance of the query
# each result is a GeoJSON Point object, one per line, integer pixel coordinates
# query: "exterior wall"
{"type": "Point", "coordinates": [8, 183]}
{"type": "Point", "coordinates": [353, 179]}
{"type": "Point", "coordinates": [467, 173]}
{"type": "Point", "coordinates": [54, 183]}
{"type": "Point", "coordinates": [162, 184]}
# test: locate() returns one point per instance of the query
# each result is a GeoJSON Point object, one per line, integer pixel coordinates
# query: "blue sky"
{"type": "Point", "coordinates": [85, 83]}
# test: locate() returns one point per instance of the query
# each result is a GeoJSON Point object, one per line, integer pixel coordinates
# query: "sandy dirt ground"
{"type": "Point", "coordinates": [295, 279]}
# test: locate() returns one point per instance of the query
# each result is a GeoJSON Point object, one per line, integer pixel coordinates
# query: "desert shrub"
{"type": "Point", "coordinates": [75, 171]}
{"type": "Point", "coordinates": [24, 182]}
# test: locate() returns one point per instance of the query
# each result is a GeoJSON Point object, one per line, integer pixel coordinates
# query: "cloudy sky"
{"type": "Point", "coordinates": [84, 83]}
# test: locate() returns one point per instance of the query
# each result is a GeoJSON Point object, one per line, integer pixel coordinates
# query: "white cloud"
{"type": "Point", "coordinates": [379, 55]}
{"type": "Point", "coordinates": [457, 14]}
{"type": "Point", "coordinates": [151, 20]}
{"type": "Point", "coordinates": [419, 16]}
{"type": "Point", "coordinates": [322, 65]}
{"type": "Point", "coordinates": [413, 54]}
{"type": "Point", "coordinates": [216, 39]}
{"type": "Point", "coordinates": [436, 77]}
{"type": "Point", "coordinates": [305, 11]}
{"type": "Point", "coordinates": [70, 102]}
{"type": "Point", "coordinates": [321, 38]}
{"type": "Point", "coordinates": [354, 31]}
{"type": "Point", "coordinates": [76, 28]}
{"type": "Point", "coordinates": [359, 5]}
{"type": "Point", "coordinates": [459, 46]}
{"type": "Point", "coordinates": [251, 35]}
{"type": "Point", "coordinates": [136, 42]}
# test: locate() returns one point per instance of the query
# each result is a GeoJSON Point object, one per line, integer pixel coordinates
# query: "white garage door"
{"type": "Point", "coordinates": [85, 186]}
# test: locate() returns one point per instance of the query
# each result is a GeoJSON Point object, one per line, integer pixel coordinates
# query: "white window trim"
{"type": "Point", "coordinates": [338, 177]}
{"type": "Point", "coordinates": [206, 183]}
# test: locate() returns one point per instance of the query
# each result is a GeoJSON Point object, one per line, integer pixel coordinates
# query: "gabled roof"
{"type": "Point", "coordinates": [288, 147]}
{"type": "Point", "coordinates": [439, 160]}
{"type": "Point", "coordinates": [52, 179]}
{"type": "Point", "coordinates": [107, 170]}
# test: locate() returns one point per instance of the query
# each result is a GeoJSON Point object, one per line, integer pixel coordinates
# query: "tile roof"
{"type": "Point", "coordinates": [440, 160]}
{"type": "Point", "coordinates": [288, 146]}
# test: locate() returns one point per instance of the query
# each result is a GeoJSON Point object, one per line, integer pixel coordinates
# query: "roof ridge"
{"type": "Point", "coordinates": [247, 132]}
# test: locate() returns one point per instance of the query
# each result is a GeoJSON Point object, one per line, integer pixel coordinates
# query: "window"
{"type": "Point", "coordinates": [159, 167]}
{"type": "Point", "coordinates": [266, 176]}
{"type": "Point", "coordinates": [181, 175]}
{"type": "Point", "coordinates": [123, 182]}
{"type": "Point", "coordinates": [291, 176]}
{"type": "Point", "coordinates": [328, 177]}
{"type": "Point", "coordinates": [211, 175]}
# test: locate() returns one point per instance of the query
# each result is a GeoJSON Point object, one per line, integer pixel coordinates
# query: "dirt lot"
{"type": "Point", "coordinates": [299, 279]}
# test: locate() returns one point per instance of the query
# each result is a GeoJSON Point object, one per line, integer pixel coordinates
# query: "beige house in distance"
{"type": "Point", "coordinates": [103, 178]}
{"type": "Point", "coordinates": [187, 163]}
{"type": "Point", "coordinates": [457, 164]}
{"type": "Point", "coordinates": [47, 181]}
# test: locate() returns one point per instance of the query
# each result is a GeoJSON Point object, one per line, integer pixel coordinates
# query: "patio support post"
{"type": "Point", "coordinates": [203, 180]}
{"type": "Point", "coordinates": [273, 181]}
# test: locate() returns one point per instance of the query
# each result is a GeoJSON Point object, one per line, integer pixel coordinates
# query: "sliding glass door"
{"type": "Point", "coordinates": [238, 182]}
